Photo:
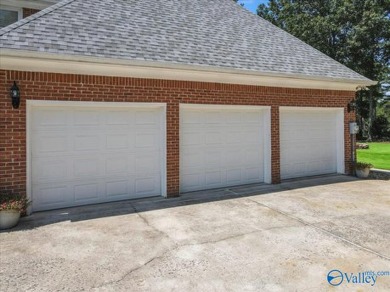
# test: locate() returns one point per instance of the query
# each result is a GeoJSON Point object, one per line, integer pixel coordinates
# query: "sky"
{"type": "Point", "coordinates": [252, 4]}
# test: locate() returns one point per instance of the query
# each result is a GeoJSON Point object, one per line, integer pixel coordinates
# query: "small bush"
{"type": "Point", "coordinates": [363, 165]}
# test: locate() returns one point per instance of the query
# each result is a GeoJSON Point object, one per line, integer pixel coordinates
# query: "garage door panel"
{"type": "Point", "coordinates": [118, 189]}
{"type": "Point", "coordinates": [212, 158]}
{"type": "Point", "coordinates": [234, 157]}
{"type": "Point", "coordinates": [213, 117]}
{"type": "Point", "coordinates": [247, 137]}
{"type": "Point", "coordinates": [220, 148]}
{"type": "Point", "coordinates": [49, 118]}
{"type": "Point", "coordinates": [146, 140]}
{"type": "Point", "coordinates": [234, 176]}
{"type": "Point", "coordinates": [86, 167]}
{"type": "Point", "coordinates": [191, 159]}
{"type": "Point", "coordinates": [252, 117]}
{"type": "Point", "coordinates": [51, 196]}
{"type": "Point", "coordinates": [94, 155]}
{"type": "Point", "coordinates": [147, 164]}
{"type": "Point", "coordinates": [253, 174]}
{"type": "Point", "coordinates": [308, 142]}
{"type": "Point", "coordinates": [214, 178]}
{"type": "Point", "coordinates": [232, 118]}
{"type": "Point", "coordinates": [213, 138]}
{"type": "Point", "coordinates": [86, 143]}
{"type": "Point", "coordinates": [233, 137]}
{"type": "Point", "coordinates": [192, 138]}
{"type": "Point", "coordinates": [86, 118]}
{"type": "Point", "coordinates": [191, 117]}
{"type": "Point", "coordinates": [46, 143]}
{"type": "Point", "coordinates": [49, 169]}
{"type": "Point", "coordinates": [147, 186]}
{"type": "Point", "coordinates": [86, 192]}
{"type": "Point", "coordinates": [117, 141]}
{"type": "Point", "coordinates": [193, 181]}
{"type": "Point", "coordinates": [252, 156]}
{"type": "Point", "coordinates": [146, 117]}
{"type": "Point", "coordinates": [119, 118]}
{"type": "Point", "coordinates": [118, 165]}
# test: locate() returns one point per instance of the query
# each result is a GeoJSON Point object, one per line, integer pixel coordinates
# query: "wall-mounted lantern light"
{"type": "Point", "coordinates": [351, 105]}
{"type": "Point", "coordinates": [15, 95]}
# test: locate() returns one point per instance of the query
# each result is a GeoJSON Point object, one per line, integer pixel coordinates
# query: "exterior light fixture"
{"type": "Point", "coordinates": [351, 105]}
{"type": "Point", "coordinates": [15, 95]}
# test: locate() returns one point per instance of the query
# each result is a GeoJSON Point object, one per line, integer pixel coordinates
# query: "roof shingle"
{"type": "Point", "coordinates": [216, 33]}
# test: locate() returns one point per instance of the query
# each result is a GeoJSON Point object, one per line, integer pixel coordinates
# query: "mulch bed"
{"type": "Point", "coordinates": [375, 174]}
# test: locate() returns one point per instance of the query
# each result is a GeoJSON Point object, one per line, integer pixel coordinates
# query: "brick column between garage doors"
{"type": "Point", "coordinates": [275, 142]}
{"type": "Point", "coordinates": [173, 151]}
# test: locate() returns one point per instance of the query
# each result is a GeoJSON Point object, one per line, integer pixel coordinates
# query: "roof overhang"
{"type": "Point", "coordinates": [36, 4]}
{"type": "Point", "coordinates": [70, 64]}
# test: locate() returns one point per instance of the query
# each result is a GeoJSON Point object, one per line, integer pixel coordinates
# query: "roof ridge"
{"type": "Point", "coordinates": [37, 15]}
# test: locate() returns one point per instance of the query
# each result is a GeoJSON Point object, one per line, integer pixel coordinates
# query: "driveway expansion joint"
{"type": "Point", "coordinates": [356, 245]}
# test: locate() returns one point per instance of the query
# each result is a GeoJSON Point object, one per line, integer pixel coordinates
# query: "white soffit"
{"type": "Point", "coordinates": [39, 62]}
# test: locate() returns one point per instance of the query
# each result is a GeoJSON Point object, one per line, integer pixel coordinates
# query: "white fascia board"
{"type": "Point", "coordinates": [84, 65]}
{"type": "Point", "coordinates": [33, 4]}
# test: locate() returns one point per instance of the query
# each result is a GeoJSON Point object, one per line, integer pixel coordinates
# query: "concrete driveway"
{"type": "Point", "coordinates": [254, 238]}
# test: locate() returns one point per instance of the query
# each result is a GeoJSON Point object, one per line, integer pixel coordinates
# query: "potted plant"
{"type": "Point", "coordinates": [11, 207]}
{"type": "Point", "coordinates": [363, 169]}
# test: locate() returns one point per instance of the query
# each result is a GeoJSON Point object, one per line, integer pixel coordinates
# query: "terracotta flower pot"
{"type": "Point", "coordinates": [9, 218]}
{"type": "Point", "coordinates": [362, 173]}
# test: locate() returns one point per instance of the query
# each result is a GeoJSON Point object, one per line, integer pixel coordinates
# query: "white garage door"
{"type": "Point", "coordinates": [223, 146]}
{"type": "Point", "coordinates": [91, 154]}
{"type": "Point", "coordinates": [311, 141]}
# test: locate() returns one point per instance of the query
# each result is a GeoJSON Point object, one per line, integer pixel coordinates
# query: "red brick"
{"type": "Point", "coordinates": [51, 86]}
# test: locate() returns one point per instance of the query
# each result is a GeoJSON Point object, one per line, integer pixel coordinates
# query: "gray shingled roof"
{"type": "Point", "coordinates": [217, 33]}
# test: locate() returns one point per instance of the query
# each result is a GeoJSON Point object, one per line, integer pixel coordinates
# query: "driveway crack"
{"type": "Point", "coordinates": [323, 230]}
{"type": "Point", "coordinates": [146, 221]}
{"type": "Point", "coordinates": [135, 269]}
{"type": "Point", "coordinates": [181, 246]}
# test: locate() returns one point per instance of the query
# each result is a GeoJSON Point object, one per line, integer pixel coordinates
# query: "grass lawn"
{"type": "Point", "coordinates": [378, 155]}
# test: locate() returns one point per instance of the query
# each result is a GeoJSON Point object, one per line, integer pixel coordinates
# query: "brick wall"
{"type": "Point", "coordinates": [50, 86]}
{"type": "Point", "coordinates": [29, 11]}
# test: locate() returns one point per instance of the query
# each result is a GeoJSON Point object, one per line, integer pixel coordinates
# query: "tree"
{"type": "Point", "coordinates": [242, 4]}
{"type": "Point", "coordinates": [354, 32]}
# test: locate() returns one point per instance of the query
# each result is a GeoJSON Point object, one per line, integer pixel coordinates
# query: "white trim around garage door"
{"type": "Point", "coordinates": [339, 128]}
{"type": "Point", "coordinates": [267, 128]}
{"type": "Point", "coordinates": [31, 104]}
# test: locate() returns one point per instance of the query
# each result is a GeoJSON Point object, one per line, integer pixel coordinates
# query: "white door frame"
{"type": "Point", "coordinates": [267, 128]}
{"type": "Point", "coordinates": [31, 104]}
{"type": "Point", "coordinates": [339, 129]}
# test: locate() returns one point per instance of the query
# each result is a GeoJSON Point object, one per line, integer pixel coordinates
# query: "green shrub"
{"type": "Point", "coordinates": [363, 165]}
